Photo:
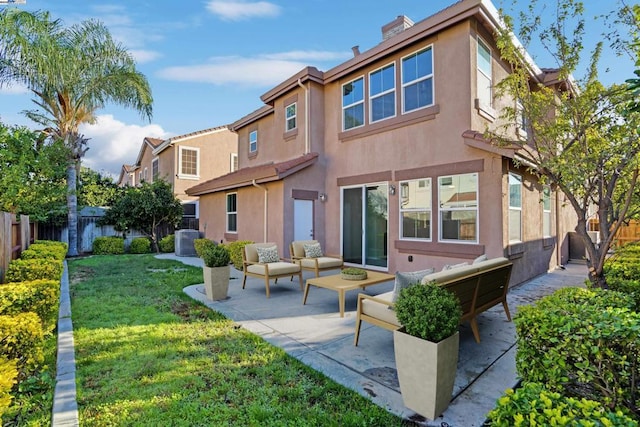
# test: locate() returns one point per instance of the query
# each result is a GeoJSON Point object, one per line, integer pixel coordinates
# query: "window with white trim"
{"type": "Point", "coordinates": [417, 80]}
{"type": "Point", "coordinates": [155, 169]}
{"type": "Point", "coordinates": [484, 73]}
{"type": "Point", "coordinates": [458, 208]}
{"type": "Point", "coordinates": [145, 174]}
{"type": "Point", "coordinates": [515, 207]}
{"type": "Point", "coordinates": [253, 141]}
{"type": "Point", "coordinates": [232, 213]}
{"type": "Point", "coordinates": [415, 209]}
{"type": "Point", "coordinates": [546, 211]}
{"type": "Point", "coordinates": [290, 116]}
{"type": "Point", "coordinates": [233, 162]}
{"type": "Point", "coordinates": [382, 93]}
{"type": "Point", "coordinates": [189, 158]}
{"type": "Point", "coordinates": [353, 104]}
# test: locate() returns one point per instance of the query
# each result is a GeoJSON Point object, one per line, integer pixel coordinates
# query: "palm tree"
{"type": "Point", "coordinates": [72, 72]}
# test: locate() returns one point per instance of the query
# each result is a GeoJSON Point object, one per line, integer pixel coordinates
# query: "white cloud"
{"type": "Point", "coordinates": [142, 56]}
{"type": "Point", "coordinates": [13, 89]}
{"type": "Point", "coordinates": [234, 10]}
{"type": "Point", "coordinates": [113, 143]}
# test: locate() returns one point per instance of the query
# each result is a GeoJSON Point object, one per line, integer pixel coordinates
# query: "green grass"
{"type": "Point", "coordinates": [147, 354]}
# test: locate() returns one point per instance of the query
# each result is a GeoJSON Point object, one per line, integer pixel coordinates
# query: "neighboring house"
{"type": "Point", "coordinates": [382, 158]}
{"type": "Point", "coordinates": [184, 161]}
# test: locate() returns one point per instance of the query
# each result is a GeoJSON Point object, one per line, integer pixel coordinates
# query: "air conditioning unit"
{"type": "Point", "coordinates": [184, 242]}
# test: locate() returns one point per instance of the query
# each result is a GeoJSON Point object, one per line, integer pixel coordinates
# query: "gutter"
{"type": "Point", "coordinates": [266, 201]}
{"type": "Point", "coordinates": [307, 144]}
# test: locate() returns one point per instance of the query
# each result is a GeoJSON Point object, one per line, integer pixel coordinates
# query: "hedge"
{"type": "Point", "coordinates": [22, 340]}
{"type": "Point", "coordinates": [168, 243]}
{"type": "Point", "coordinates": [39, 296]}
{"type": "Point", "coordinates": [39, 250]}
{"type": "Point", "coordinates": [235, 252]}
{"type": "Point", "coordinates": [140, 245]}
{"type": "Point", "coordinates": [108, 245]}
{"type": "Point", "coordinates": [23, 270]}
{"type": "Point", "coordinates": [8, 374]}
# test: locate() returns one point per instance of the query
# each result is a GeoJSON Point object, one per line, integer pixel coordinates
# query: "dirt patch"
{"type": "Point", "coordinates": [81, 274]}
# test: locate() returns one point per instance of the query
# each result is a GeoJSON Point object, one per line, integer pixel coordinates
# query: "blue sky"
{"type": "Point", "coordinates": [208, 61]}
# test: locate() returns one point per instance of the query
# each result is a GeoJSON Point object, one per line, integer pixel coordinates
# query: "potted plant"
{"type": "Point", "coordinates": [353, 273]}
{"type": "Point", "coordinates": [426, 347]}
{"type": "Point", "coordinates": [216, 271]}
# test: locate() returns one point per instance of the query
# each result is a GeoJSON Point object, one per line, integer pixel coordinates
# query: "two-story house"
{"type": "Point", "coordinates": [382, 158]}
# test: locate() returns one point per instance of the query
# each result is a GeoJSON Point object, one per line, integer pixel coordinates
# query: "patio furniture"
{"type": "Point", "coordinates": [310, 256]}
{"type": "Point", "coordinates": [479, 287]}
{"type": "Point", "coordinates": [262, 260]}
{"type": "Point", "coordinates": [337, 283]}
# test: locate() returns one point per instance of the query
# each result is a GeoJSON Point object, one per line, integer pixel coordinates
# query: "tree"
{"type": "Point", "coordinates": [145, 208]}
{"type": "Point", "coordinates": [580, 136]}
{"type": "Point", "coordinates": [32, 174]}
{"type": "Point", "coordinates": [71, 72]}
{"type": "Point", "coordinates": [95, 189]}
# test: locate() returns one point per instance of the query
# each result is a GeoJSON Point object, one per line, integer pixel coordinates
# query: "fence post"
{"type": "Point", "coordinates": [25, 232]}
{"type": "Point", "coordinates": [5, 243]}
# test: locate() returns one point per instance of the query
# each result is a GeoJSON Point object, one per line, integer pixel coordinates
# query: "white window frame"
{"type": "Point", "coordinates": [233, 162]}
{"type": "Point", "coordinates": [419, 79]}
{"type": "Point", "coordinates": [229, 213]}
{"type": "Point", "coordinates": [383, 93]}
{"type": "Point", "coordinates": [521, 120]}
{"type": "Point", "coordinates": [484, 74]}
{"type": "Point", "coordinates": [155, 169]}
{"type": "Point", "coordinates": [146, 174]}
{"type": "Point", "coordinates": [181, 173]}
{"type": "Point", "coordinates": [353, 104]}
{"type": "Point", "coordinates": [475, 208]}
{"type": "Point", "coordinates": [290, 120]}
{"type": "Point", "coordinates": [546, 213]}
{"type": "Point", "coordinates": [405, 195]}
{"type": "Point", "coordinates": [140, 177]}
{"type": "Point", "coordinates": [515, 211]}
{"type": "Point", "coordinates": [253, 141]}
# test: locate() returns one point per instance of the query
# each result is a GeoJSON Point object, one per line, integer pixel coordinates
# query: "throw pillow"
{"type": "Point", "coordinates": [404, 280]}
{"type": "Point", "coordinates": [312, 250]}
{"type": "Point", "coordinates": [267, 254]}
{"type": "Point", "coordinates": [452, 266]}
{"type": "Point", "coordinates": [481, 258]}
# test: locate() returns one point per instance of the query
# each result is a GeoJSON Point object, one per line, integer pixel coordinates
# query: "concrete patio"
{"type": "Point", "coordinates": [316, 335]}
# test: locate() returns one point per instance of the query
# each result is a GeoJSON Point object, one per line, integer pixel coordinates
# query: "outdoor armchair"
{"type": "Point", "coordinates": [262, 260]}
{"type": "Point", "coordinates": [310, 256]}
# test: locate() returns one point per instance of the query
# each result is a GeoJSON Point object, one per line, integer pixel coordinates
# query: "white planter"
{"type": "Point", "coordinates": [426, 372]}
{"type": "Point", "coordinates": [216, 282]}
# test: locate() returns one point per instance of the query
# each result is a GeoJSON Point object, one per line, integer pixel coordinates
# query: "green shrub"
{"type": "Point", "coordinates": [532, 405]}
{"type": "Point", "coordinates": [582, 343]}
{"type": "Point", "coordinates": [428, 311]}
{"type": "Point", "coordinates": [140, 245]}
{"type": "Point", "coordinates": [23, 342]}
{"type": "Point", "coordinates": [630, 287]}
{"type": "Point", "coordinates": [39, 250]}
{"type": "Point", "coordinates": [108, 245]}
{"type": "Point", "coordinates": [8, 374]}
{"type": "Point", "coordinates": [39, 296]}
{"type": "Point", "coordinates": [168, 243]}
{"type": "Point", "coordinates": [24, 270]}
{"type": "Point", "coordinates": [215, 256]}
{"type": "Point", "coordinates": [201, 244]}
{"type": "Point", "coordinates": [235, 252]}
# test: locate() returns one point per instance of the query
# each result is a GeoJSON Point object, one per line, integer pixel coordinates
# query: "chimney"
{"type": "Point", "coordinates": [356, 51]}
{"type": "Point", "coordinates": [396, 26]}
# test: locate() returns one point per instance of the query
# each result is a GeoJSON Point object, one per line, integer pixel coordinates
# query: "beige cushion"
{"type": "Point", "coordinates": [323, 262]}
{"type": "Point", "coordinates": [298, 247]}
{"type": "Point", "coordinates": [275, 268]}
{"type": "Point", "coordinates": [491, 263]}
{"type": "Point", "coordinates": [447, 275]}
{"type": "Point", "coordinates": [251, 252]}
{"type": "Point", "coordinates": [380, 311]}
{"type": "Point", "coordinates": [452, 266]}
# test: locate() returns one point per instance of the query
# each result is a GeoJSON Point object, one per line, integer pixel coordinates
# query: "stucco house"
{"type": "Point", "coordinates": [382, 158]}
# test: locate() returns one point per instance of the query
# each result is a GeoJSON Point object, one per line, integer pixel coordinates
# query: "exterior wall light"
{"type": "Point", "coordinates": [323, 197]}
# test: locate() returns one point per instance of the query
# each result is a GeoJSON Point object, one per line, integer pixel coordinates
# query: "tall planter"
{"type": "Point", "coordinates": [216, 282]}
{"type": "Point", "coordinates": [426, 372]}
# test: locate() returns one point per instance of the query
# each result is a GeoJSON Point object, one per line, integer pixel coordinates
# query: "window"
{"type": "Point", "coordinates": [417, 80]}
{"type": "Point", "coordinates": [382, 93]}
{"type": "Point", "coordinates": [233, 162]}
{"type": "Point", "coordinates": [415, 209]}
{"type": "Point", "coordinates": [155, 169]}
{"type": "Point", "coordinates": [521, 118]}
{"type": "Point", "coordinates": [253, 141]}
{"type": "Point", "coordinates": [232, 213]}
{"type": "Point", "coordinates": [290, 113]}
{"type": "Point", "coordinates": [458, 202]}
{"type": "Point", "coordinates": [353, 104]}
{"type": "Point", "coordinates": [546, 211]}
{"type": "Point", "coordinates": [189, 210]}
{"type": "Point", "coordinates": [140, 177]}
{"type": "Point", "coordinates": [146, 174]}
{"type": "Point", "coordinates": [189, 162]}
{"type": "Point", "coordinates": [484, 74]}
{"type": "Point", "coordinates": [515, 207]}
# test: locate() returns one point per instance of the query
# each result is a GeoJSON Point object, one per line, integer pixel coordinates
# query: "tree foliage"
{"type": "Point", "coordinates": [581, 137]}
{"type": "Point", "coordinates": [96, 189]}
{"type": "Point", "coordinates": [145, 208]}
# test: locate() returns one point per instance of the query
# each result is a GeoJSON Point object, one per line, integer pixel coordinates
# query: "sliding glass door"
{"type": "Point", "coordinates": [365, 225]}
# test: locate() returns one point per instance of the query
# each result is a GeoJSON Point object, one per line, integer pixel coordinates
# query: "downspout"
{"type": "Point", "coordinates": [307, 143]}
{"type": "Point", "coordinates": [266, 199]}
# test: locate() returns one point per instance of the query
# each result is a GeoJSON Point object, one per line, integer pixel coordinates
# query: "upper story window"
{"type": "Point", "coordinates": [140, 177]}
{"type": "Point", "coordinates": [415, 209]}
{"type": "Point", "coordinates": [155, 169]}
{"type": "Point", "coordinates": [521, 119]}
{"type": "Point", "coordinates": [546, 211]}
{"type": "Point", "coordinates": [253, 141]}
{"type": "Point", "coordinates": [353, 104]}
{"type": "Point", "coordinates": [417, 80]}
{"type": "Point", "coordinates": [484, 74]}
{"type": "Point", "coordinates": [145, 175]}
{"type": "Point", "coordinates": [189, 162]}
{"type": "Point", "coordinates": [515, 207]}
{"type": "Point", "coordinates": [232, 213]}
{"type": "Point", "coordinates": [382, 93]}
{"type": "Point", "coordinates": [458, 202]}
{"type": "Point", "coordinates": [290, 113]}
{"type": "Point", "coordinates": [233, 162]}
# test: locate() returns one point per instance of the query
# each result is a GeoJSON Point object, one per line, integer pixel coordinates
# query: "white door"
{"type": "Point", "coordinates": [302, 219]}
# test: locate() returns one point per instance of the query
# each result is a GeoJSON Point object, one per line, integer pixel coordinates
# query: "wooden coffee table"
{"type": "Point", "coordinates": [340, 285]}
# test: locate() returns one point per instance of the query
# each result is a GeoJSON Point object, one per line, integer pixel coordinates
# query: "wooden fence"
{"type": "Point", "coordinates": [16, 234]}
{"type": "Point", "coordinates": [626, 234]}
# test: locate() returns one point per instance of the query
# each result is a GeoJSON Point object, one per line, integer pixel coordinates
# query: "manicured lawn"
{"type": "Point", "coordinates": [147, 354]}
